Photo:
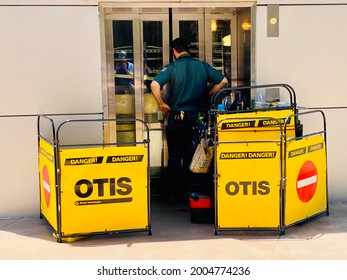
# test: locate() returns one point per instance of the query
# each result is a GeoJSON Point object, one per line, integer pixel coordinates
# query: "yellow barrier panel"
{"type": "Point", "coordinates": [255, 125]}
{"type": "Point", "coordinates": [248, 187]}
{"type": "Point", "coordinates": [48, 192]}
{"type": "Point", "coordinates": [268, 173]}
{"type": "Point", "coordinates": [268, 183]}
{"type": "Point", "coordinates": [104, 189]}
{"type": "Point", "coordinates": [94, 187]}
{"type": "Point", "coordinates": [306, 189]}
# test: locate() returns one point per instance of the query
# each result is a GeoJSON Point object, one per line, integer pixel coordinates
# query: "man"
{"type": "Point", "coordinates": [124, 71]}
{"type": "Point", "coordinates": [187, 80]}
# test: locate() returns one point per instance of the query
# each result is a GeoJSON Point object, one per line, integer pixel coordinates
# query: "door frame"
{"type": "Point", "coordinates": [137, 11]}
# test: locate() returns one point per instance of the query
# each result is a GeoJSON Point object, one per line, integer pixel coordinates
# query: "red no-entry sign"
{"type": "Point", "coordinates": [306, 183]}
{"type": "Point", "coordinates": [46, 185]}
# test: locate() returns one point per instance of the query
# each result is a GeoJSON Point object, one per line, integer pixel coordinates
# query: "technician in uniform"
{"type": "Point", "coordinates": [189, 82]}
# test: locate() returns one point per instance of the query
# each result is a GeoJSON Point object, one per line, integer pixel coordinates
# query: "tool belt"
{"type": "Point", "coordinates": [183, 115]}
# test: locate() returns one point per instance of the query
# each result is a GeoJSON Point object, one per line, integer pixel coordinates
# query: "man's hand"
{"type": "Point", "coordinates": [164, 108]}
{"type": "Point", "coordinates": [155, 87]}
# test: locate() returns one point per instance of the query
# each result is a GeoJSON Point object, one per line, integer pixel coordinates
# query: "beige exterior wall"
{"type": "Point", "coordinates": [310, 55]}
{"type": "Point", "coordinates": [50, 63]}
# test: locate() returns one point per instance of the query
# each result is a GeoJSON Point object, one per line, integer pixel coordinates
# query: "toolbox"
{"type": "Point", "coordinates": [201, 206]}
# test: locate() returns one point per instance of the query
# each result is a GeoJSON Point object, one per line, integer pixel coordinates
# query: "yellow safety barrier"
{"type": "Point", "coordinates": [268, 174]}
{"type": "Point", "coordinates": [94, 189]}
{"type": "Point", "coordinates": [305, 177]}
{"type": "Point", "coordinates": [248, 180]}
{"type": "Point", "coordinates": [248, 175]}
{"type": "Point", "coordinates": [48, 182]}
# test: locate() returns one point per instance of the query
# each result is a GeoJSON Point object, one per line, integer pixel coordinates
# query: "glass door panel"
{"type": "Point", "coordinates": [152, 63]}
{"type": "Point", "coordinates": [221, 46]}
{"type": "Point", "coordinates": [219, 32]}
{"type": "Point", "coordinates": [124, 83]}
{"type": "Point", "coordinates": [189, 29]}
{"type": "Point", "coordinates": [189, 25]}
{"type": "Point", "coordinates": [155, 49]}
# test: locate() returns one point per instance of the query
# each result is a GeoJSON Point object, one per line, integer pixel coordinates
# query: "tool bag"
{"type": "Point", "coordinates": [202, 157]}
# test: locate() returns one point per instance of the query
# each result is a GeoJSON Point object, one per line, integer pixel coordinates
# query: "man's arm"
{"type": "Point", "coordinates": [130, 68]}
{"type": "Point", "coordinates": [155, 88]}
{"type": "Point", "coordinates": [219, 86]}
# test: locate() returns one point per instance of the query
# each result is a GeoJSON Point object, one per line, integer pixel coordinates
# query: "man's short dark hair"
{"type": "Point", "coordinates": [180, 45]}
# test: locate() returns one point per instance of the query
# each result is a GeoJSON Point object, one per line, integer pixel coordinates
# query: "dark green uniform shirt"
{"type": "Point", "coordinates": [187, 80]}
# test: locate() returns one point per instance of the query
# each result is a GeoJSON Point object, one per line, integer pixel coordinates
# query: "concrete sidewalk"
{"type": "Point", "coordinates": [174, 237]}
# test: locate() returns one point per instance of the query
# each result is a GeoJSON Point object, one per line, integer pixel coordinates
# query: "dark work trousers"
{"type": "Point", "coordinates": [181, 136]}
